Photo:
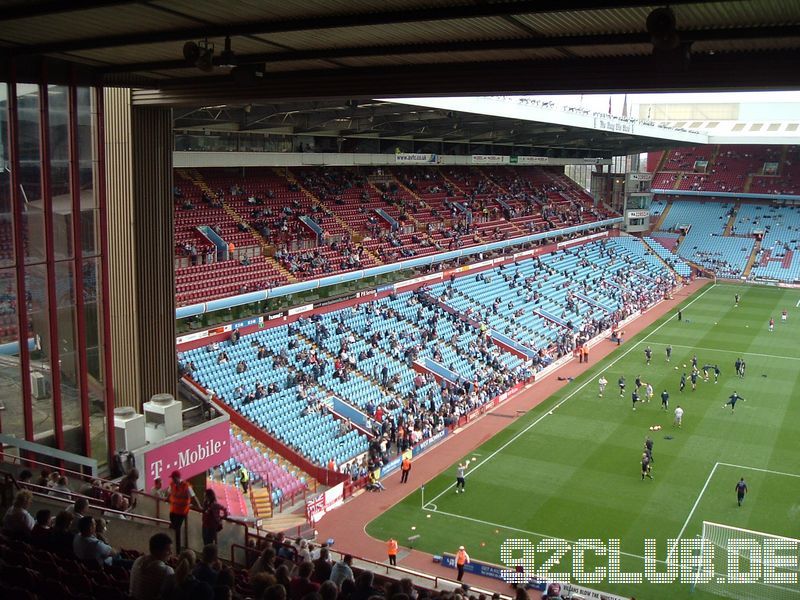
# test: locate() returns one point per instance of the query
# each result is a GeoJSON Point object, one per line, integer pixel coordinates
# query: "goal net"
{"type": "Point", "coordinates": [747, 565]}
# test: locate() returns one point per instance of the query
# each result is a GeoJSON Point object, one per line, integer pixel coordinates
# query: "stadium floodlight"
{"type": "Point", "coordinates": [747, 565]}
{"type": "Point", "coordinates": [199, 54]}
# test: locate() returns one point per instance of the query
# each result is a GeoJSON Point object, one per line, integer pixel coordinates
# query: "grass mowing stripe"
{"type": "Point", "coordinates": [563, 400]}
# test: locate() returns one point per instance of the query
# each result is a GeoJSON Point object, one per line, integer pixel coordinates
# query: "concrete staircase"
{"type": "Point", "coordinates": [752, 260]}
{"type": "Point", "coordinates": [662, 217]}
{"type": "Point", "coordinates": [732, 219]}
{"type": "Point", "coordinates": [665, 263]}
{"type": "Point", "coordinates": [502, 190]}
{"type": "Point", "coordinates": [354, 235]}
{"type": "Point", "coordinates": [196, 178]}
{"type": "Point", "coordinates": [261, 501]}
{"type": "Point", "coordinates": [355, 373]}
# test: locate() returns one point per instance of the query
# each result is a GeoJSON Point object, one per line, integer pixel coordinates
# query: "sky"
{"type": "Point", "coordinates": [757, 102]}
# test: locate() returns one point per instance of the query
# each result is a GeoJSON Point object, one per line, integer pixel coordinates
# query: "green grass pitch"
{"type": "Point", "coordinates": [575, 474]}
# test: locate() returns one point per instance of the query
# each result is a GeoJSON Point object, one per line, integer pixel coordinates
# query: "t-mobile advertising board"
{"type": "Point", "coordinates": [192, 452]}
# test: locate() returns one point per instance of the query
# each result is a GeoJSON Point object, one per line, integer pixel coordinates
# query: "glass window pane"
{"type": "Point", "coordinates": [87, 151]}
{"type": "Point", "coordinates": [94, 357]}
{"type": "Point", "coordinates": [30, 190]}
{"type": "Point", "coordinates": [12, 420]}
{"type": "Point", "coordinates": [6, 225]}
{"type": "Point", "coordinates": [68, 357]}
{"type": "Point", "coordinates": [40, 363]}
{"type": "Point", "coordinates": [58, 116]}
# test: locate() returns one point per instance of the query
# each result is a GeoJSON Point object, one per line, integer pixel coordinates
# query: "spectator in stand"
{"type": "Point", "coordinates": [25, 477]}
{"type": "Point", "coordinates": [18, 522]}
{"type": "Point", "coordinates": [60, 536]}
{"type": "Point", "coordinates": [209, 566]}
{"type": "Point", "coordinates": [364, 586]}
{"type": "Point", "coordinates": [151, 577]}
{"type": "Point", "coordinates": [302, 584]}
{"type": "Point", "coordinates": [61, 488]}
{"type": "Point", "coordinates": [322, 566]}
{"type": "Point", "coordinates": [40, 535]}
{"type": "Point", "coordinates": [44, 477]}
{"type": "Point", "coordinates": [129, 483]}
{"type": "Point", "coordinates": [342, 571]}
{"type": "Point", "coordinates": [78, 510]}
{"type": "Point", "coordinates": [213, 514]}
{"type": "Point", "coordinates": [265, 563]}
{"type": "Point", "coordinates": [101, 530]}
{"type": "Point", "coordinates": [158, 490]}
{"type": "Point", "coordinates": [303, 553]}
{"type": "Point", "coordinates": [328, 591]}
{"type": "Point", "coordinates": [118, 505]}
{"type": "Point", "coordinates": [225, 584]}
{"type": "Point", "coordinates": [286, 551]}
{"type": "Point", "coordinates": [89, 549]}
{"type": "Point", "coordinates": [187, 587]}
{"type": "Point", "coordinates": [282, 576]}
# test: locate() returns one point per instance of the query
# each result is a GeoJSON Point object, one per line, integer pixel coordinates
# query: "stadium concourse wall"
{"type": "Point", "coordinates": [220, 333]}
{"type": "Point", "coordinates": [424, 261]}
{"type": "Point", "coordinates": [184, 159]}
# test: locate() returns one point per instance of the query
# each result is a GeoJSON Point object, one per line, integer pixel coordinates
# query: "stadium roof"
{"type": "Point", "coordinates": [361, 48]}
{"type": "Point", "coordinates": [449, 123]}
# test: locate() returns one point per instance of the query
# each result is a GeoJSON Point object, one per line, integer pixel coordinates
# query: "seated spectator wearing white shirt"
{"type": "Point", "coordinates": [88, 548]}
{"type": "Point", "coordinates": [151, 577]}
{"type": "Point", "coordinates": [61, 488]}
{"type": "Point", "coordinates": [342, 571]}
{"type": "Point", "coordinates": [17, 521]}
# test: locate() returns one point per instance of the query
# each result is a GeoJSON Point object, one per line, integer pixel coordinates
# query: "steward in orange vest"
{"type": "Point", "coordinates": [392, 549]}
{"type": "Point", "coordinates": [181, 497]}
{"type": "Point", "coordinates": [462, 558]}
{"type": "Point", "coordinates": [405, 469]}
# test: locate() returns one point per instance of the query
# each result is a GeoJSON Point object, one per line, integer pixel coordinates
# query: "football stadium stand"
{"type": "Point", "coordinates": [780, 228]}
{"type": "Point", "coordinates": [378, 356]}
{"type": "Point", "coordinates": [731, 168]}
{"type": "Point", "coordinates": [705, 243]}
{"type": "Point", "coordinates": [237, 234]}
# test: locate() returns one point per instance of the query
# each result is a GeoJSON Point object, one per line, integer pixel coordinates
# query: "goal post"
{"type": "Point", "coordinates": [747, 565]}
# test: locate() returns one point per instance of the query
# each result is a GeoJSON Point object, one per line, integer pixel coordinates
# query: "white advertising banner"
{"type": "Point", "coordinates": [489, 159]}
{"type": "Point", "coordinates": [300, 309]}
{"type": "Point", "coordinates": [416, 158]}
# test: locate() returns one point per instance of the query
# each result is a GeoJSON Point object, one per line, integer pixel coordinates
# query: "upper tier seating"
{"type": "Point", "coordinates": [731, 168]}
{"type": "Point", "coordinates": [436, 209]}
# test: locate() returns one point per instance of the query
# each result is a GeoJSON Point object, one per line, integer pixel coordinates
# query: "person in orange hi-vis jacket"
{"type": "Point", "coordinates": [462, 558]}
{"type": "Point", "coordinates": [392, 550]}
